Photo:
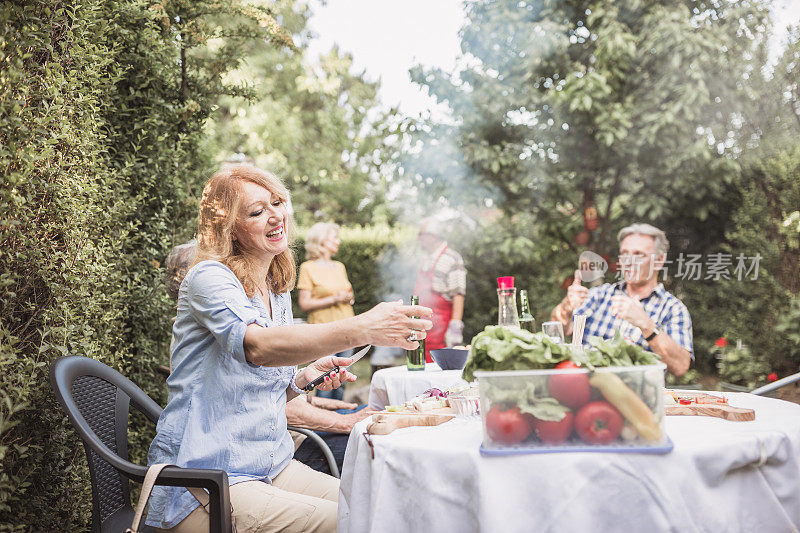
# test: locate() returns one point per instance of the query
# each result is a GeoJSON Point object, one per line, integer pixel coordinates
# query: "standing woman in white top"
{"type": "Point", "coordinates": [234, 360]}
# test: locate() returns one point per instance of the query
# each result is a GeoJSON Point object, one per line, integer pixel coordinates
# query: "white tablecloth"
{"type": "Point", "coordinates": [396, 385]}
{"type": "Point", "coordinates": [721, 476]}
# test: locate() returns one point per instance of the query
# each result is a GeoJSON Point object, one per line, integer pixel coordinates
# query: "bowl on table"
{"type": "Point", "coordinates": [450, 358]}
{"type": "Point", "coordinates": [465, 402]}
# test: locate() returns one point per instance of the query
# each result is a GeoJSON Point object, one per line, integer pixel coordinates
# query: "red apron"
{"type": "Point", "coordinates": [442, 309]}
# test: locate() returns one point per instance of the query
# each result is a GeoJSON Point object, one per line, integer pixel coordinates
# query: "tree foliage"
{"type": "Point", "coordinates": [616, 106]}
{"type": "Point", "coordinates": [312, 121]}
{"type": "Point", "coordinates": [640, 111]}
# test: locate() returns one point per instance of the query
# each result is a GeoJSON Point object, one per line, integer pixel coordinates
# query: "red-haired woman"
{"type": "Point", "coordinates": [234, 361]}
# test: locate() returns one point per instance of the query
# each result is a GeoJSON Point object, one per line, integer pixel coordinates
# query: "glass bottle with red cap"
{"type": "Point", "coordinates": [507, 302]}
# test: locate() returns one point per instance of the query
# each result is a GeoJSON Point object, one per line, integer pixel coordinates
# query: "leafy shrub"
{"type": "Point", "coordinates": [789, 324]}
{"type": "Point", "coordinates": [737, 365]}
{"type": "Point", "coordinates": [758, 309]}
{"type": "Point", "coordinates": [101, 119]}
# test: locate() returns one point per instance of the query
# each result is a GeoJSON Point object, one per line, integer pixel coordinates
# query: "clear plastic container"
{"type": "Point", "coordinates": [612, 409]}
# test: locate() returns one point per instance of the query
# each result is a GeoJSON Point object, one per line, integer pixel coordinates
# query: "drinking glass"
{"type": "Point", "coordinates": [554, 330]}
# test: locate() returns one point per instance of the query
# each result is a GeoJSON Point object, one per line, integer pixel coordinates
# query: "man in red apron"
{"type": "Point", "coordinates": [441, 285]}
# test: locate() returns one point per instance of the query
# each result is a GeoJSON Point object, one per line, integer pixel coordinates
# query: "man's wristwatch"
{"type": "Point", "coordinates": [652, 335]}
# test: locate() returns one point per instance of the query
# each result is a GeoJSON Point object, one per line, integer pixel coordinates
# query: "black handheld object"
{"type": "Point", "coordinates": [361, 353]}
{"type": "Point", "coordinates": [310, 387]}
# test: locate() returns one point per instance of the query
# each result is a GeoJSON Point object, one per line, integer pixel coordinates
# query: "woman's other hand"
{"type": "Point", "coordinates": [391, 324]}
{"type": "Point", "coordinates": [321, 366]}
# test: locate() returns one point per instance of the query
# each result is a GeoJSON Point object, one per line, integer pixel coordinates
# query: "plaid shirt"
{"type": "Point", "coordinates": [449, 274]}
{"type": "Point", "coordinates": [670, 315]}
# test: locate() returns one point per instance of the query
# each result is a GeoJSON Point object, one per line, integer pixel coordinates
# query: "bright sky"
{"type": "Point", "coordinates": [388, 37]}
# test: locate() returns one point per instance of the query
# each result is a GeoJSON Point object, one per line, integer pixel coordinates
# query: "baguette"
{"type": "Point", "coordinates": [632, 408]}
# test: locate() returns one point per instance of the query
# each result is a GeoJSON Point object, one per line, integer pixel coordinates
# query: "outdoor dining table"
{"type": "Point", "coordinates": [720, 476]}
{"type": "Point", "coordinates": [397, 384]}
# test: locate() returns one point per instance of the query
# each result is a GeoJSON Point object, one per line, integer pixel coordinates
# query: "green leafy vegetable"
{"type": "Point", "coordinates": [619, 352]}
{"type": "Point", "coordinates": [547, 409]}
{"type": "Point", "coordinates": [499, 348]}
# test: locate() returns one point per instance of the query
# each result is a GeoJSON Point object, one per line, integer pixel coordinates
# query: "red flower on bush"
{"type": "Point", "coordinates": [721, 342]}
{"type": "Point", "coordinates": [772, 377]}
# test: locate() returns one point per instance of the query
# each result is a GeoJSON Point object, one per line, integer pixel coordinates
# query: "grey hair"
{"type": "Point", "coordinates": [177, 265]}
{"type": "Point", "coordinates": [661, 242]}
{"type": "Point", "coordinates": [318, 234]}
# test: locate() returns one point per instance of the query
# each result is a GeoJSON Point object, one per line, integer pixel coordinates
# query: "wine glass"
{"type": "Point", "coordinates": [554, 330]}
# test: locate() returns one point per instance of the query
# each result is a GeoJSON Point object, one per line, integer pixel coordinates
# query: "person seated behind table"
{"type": "Point", "coordinates": [176, 265]}
{"type": "Point", "coordinates": [331, 419]}
{"type": "Point", "coordinates": [638, 306]}
{"type": "Point", "coordinates": [234, 358]}
{"type": "Point", "coordinates": [324, 292]}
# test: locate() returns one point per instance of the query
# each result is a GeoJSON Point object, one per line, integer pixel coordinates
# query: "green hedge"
{"type": "Point", "coordinates": [60, 237]}
{"type": "Point", "coordinates": [762, 312]}
{"type": "Point", "coordinates": [101, 157]}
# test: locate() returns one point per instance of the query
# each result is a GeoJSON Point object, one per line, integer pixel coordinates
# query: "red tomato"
{"type": "Point", "coordinates": [508, 427]}
{"type": "Point", "coordinates": [598, 423]}
{"type": "Point", "coordinates": [571, 390]}
{"type": "Point", "coordinates": [553, 432]}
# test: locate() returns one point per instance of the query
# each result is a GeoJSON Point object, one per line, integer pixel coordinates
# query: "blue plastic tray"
{"type": "Point", "coordinates": [581, 447]}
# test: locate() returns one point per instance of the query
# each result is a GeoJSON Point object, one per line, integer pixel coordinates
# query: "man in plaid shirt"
{"type": "Point", "coordinates": [640, 307]}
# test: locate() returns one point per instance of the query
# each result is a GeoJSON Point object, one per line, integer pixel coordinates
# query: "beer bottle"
{"type": "Point", "coordinates": [415, 359]}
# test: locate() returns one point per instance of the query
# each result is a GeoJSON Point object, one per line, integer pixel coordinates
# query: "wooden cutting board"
{"type": "Point", "coordinates": [385, 423]}
{"type": "Point", "coordinates": [706, 405]}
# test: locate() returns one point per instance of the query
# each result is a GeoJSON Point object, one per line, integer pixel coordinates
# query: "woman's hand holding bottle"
{"type": "Point", "coordinates": [395, 324]}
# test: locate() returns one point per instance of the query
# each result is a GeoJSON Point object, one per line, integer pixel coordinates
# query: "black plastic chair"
{"type": "Point", "coordinates": [97, 400]}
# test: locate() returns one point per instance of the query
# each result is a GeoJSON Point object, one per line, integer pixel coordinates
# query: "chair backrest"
{"type": "Point", "coordinates": [97, 401]}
